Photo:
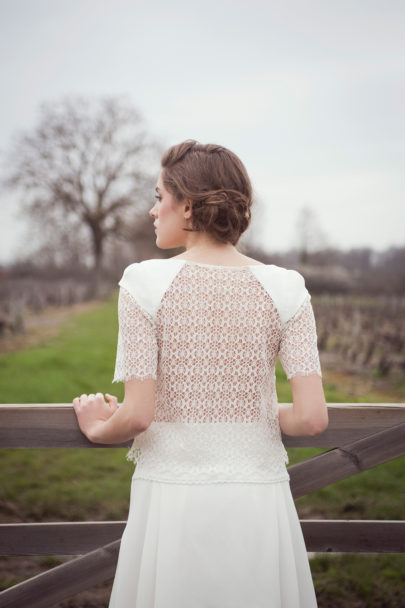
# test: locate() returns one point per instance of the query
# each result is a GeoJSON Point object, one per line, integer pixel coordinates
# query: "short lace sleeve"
{"type": "Point", "coordinates": [298, 351]}
{"type": "Point", "coordinates": [137, 350]}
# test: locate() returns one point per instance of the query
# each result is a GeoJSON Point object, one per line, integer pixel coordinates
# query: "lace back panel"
{"type": "Point", "coordinates": [212, 347]}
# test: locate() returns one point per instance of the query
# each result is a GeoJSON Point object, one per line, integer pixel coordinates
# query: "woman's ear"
{"type": "Point", "coordinates": [188, 209]}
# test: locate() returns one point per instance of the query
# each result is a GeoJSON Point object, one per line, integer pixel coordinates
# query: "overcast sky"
{"type": "Point", "coordinates": [309, 93]}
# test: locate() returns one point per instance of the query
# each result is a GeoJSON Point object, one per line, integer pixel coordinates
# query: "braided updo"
{"type": "Point", "coordinates": [216, 182]}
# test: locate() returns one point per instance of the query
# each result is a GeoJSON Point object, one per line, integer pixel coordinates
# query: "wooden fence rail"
{"type": "Point", "coordinates": [361, 436]}
{"type": "Point", "coordinates": [42, 425]}
{"type": "Point", "coordinates": [77, 538]}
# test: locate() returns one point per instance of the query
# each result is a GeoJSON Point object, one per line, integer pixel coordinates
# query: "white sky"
{"type": "Point", "coordinates": [310, 94]}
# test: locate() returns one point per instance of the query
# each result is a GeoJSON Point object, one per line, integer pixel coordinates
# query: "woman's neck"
{"type": "Point", "coordinates": [205, 253]}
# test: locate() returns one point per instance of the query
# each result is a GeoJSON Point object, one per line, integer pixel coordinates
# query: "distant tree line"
{"type": "Point", "coordinates": [354, 271]}
{"type": "Point", "coordinates": [86, 175]}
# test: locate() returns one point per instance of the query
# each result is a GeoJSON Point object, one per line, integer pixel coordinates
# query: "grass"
{"type": "Point", "coordinates": [373, 494]}
{"type": "Point", "coordinates": [355, 580]}
{"type": "Point", "coordinates": [83, 484]}
{"type": "Point", "coordinates": [79, 359]}
{"type": "Point", "coordinates": [65, 484]}
{"type": "Point", "coordinates": [359, 581]}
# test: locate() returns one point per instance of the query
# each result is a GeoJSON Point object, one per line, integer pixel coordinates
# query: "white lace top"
{"type": "Point", "coordinates": [210, 336]}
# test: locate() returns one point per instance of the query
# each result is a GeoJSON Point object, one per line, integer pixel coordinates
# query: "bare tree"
{"type": "Point", "coordinates": [86, 167]}
{"type": "Point", "coordinates": [309, 232]}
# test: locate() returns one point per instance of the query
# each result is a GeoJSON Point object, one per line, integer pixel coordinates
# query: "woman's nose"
{"type": "Point", "coordinates": [152, 212]}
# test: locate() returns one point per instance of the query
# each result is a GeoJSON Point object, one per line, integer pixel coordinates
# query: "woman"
{"type": "Point", "coordinates": [212, 523]}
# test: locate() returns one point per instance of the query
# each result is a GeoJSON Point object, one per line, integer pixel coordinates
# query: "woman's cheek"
{"type": "Point", "coordinates": [163, 209]}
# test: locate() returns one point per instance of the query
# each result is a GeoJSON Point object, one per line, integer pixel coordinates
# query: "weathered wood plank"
{"type": "Point", "coordinates": [76, 575]}
{"type": "Point", "coordinates": [58, 538]}
{"type": "Point", "coordinates": [77, 538]}
{"type": "Point", "coordinates": [349, 422]}
{"type": "Point", "coordinates": [43, 426]}
{"type": "Point", "coordinates": [55, 425]}
{"type": "Point", "coordinates": [60, 583]}
{"type": "Point", "coordinates": [352, 458]}
{"type": "Point", "coordinates": [354, 536]}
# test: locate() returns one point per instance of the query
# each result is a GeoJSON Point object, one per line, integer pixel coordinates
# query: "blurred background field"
{"type": "Point", "coordinates": [309, 96]}
{"type": "Point", "coordinates": [78, 355]}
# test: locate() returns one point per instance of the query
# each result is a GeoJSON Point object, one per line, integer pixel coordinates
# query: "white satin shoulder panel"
{"type": "Point", "coordinates": [148, 281]}
{"type": "Point", "coordinates": [285, 287]}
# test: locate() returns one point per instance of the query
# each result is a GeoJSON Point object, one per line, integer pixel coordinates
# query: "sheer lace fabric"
{"type": "Point", "coordinates": [212, 347]}
{"type": "Point", "coordinates": [298, 346]}
{"type": "Point", "coordinates": [137, 351]}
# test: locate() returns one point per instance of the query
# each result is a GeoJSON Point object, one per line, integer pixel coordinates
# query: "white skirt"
{"type": "Point", "coordinates": [220, 545]}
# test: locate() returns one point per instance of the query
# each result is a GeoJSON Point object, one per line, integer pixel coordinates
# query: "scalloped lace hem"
{"type": "Point", "coordinates": [128, 377]}
{"type": "Point", "coordinates": [210, 452]}
{"type": "Point", "coordinates": [305, 373]}
{"type": "Point", "coordinates": [211, 480]}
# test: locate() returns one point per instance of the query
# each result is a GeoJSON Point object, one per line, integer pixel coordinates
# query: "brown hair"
{"type": "Point", "coordinates": [216, 182]}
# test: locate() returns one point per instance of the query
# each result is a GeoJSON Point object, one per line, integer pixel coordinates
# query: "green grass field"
{"type": "Point", "coordinates": [93, 484]}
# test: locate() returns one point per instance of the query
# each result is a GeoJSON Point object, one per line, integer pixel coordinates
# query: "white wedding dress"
{"type": "Point", "coordinates": [212, 523]}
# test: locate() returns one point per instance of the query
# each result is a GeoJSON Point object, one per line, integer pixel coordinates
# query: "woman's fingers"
{"type": "Point", "coordinates": [95, 399]}
{"type": "Point", "coordinates": [82, 400]}
{"type": "Point", "coordinates": [91, 411]}
{"type": "Point", "coordinates": [112, 400]}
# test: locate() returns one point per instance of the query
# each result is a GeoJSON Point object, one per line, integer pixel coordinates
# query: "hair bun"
{"type": "Point", "coordinates": [216, 182]}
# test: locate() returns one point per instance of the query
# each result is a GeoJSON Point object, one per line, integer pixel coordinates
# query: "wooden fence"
{"type": "Point", "coordinates": [360, 436]}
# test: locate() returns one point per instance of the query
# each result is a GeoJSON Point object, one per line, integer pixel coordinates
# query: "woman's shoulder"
{"type": "Point", "coordinates": [145, 267]}
{"type": "Point", "coordinates": [149, 263]}
{"type": "Point", "coordinates": [147, 281]}
{"type": "Point", "coordinates": [279, 274]}
{"type": "Point", "coordinates": [285, 286]}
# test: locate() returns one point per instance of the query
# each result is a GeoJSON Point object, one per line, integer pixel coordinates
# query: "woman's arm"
{"type": "Point", "coordinates": [308, 414]}
{"type": "Point", "coordinates": [109, 423]}
{"type": "Point", "coordinates": [299, 357]}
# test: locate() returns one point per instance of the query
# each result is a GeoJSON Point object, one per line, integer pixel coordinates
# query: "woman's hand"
{"type": "Point", "coordinates": [92, 411]}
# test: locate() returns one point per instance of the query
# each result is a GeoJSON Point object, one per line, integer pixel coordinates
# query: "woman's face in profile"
{"type": "Point", "coordinates": [168, 218]}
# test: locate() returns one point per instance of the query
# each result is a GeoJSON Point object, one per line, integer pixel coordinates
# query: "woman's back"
{"type": "Point", "coordinates": [210, 335]}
